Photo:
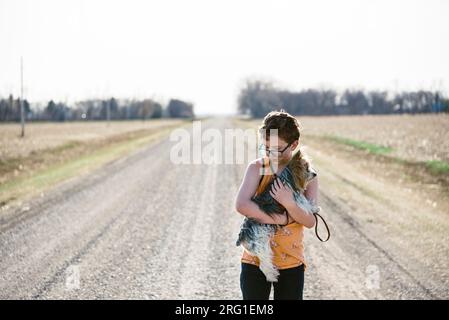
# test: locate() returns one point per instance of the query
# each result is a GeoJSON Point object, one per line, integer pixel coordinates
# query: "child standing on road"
{"type": "Point", "coordinates": [287, 242]}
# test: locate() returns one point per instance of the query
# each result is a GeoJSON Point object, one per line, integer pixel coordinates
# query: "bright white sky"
{"type": "Point", "coordinates": [202, 51]}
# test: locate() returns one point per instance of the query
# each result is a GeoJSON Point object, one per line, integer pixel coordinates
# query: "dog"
{"type": "Point", "coordinates": [254, 236]}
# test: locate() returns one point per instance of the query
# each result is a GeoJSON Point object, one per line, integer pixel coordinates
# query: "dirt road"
{"type": "Point", "coordinates": [145, 228]}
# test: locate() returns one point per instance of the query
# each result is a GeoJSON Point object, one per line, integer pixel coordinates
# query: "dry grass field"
{"type": "Point", "coordinates": [47, 135]}
{"type": "Point", "coordinates": [53, 152]}
{"type": "Point", "coordinates": [411, 137]}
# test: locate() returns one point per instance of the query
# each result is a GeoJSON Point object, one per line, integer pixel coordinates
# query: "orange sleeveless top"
{"type": "Point", "coordinates": [286, 243]}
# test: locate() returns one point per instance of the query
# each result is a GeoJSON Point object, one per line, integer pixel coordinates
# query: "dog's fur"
{"type": "Point", "coordinates": [255, 237]}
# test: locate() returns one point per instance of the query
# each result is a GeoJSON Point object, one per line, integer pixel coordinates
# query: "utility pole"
{"type": "Point", "coordinates": [22, 110]}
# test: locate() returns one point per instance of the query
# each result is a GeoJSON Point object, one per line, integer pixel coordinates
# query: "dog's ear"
{"type": "Point", "coordinates": [297, 166]}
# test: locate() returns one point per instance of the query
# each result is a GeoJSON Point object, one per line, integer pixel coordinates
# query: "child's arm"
{"type": "Point", "coordinates": [243, 203]}
{"type": "Point", "coordinates": [298, 214]}
{"type": "Point", "coordinates": [284, 196]}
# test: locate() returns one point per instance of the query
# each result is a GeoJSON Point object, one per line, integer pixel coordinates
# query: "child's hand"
{"type": "Point", "coordinates": [282, 193]}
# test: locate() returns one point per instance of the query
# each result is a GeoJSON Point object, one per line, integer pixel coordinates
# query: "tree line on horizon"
{"type": "Point", "coordinates": [94, 109]}
{"type": "Point", "coordinates": [258, 98]}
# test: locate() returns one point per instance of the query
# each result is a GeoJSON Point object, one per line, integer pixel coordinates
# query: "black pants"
{"type": "Point", "coordinates": [255, 286]}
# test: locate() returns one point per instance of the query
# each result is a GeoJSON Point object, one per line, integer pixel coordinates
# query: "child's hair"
{"type": "Point", "coordinates": [287, 125]}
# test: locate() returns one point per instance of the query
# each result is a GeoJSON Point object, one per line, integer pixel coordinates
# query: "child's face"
{"type": "Point", "coordinates": [280, 145]}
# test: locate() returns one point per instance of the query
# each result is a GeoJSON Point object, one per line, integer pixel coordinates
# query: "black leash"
{"type": "Point", "coordinates": [316, 227]}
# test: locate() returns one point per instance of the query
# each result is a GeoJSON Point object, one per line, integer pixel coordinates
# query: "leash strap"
{"type": "Point", "coordinates": [316, 227]}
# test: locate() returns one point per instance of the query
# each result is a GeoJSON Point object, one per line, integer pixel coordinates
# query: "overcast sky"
{"type": "Point", "coordinates": [203, 51]}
